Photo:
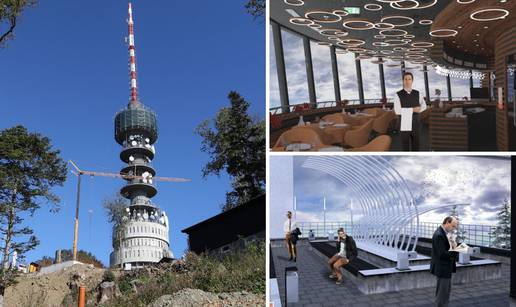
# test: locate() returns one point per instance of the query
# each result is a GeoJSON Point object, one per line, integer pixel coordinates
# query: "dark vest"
{"type": "Point", "coordinates": [410, 101]}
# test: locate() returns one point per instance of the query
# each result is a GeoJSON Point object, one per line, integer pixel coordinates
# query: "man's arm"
{"type": "Point", "coordinates": [421, 107]}
{"type": "Point", "coordinates": [442, 252]}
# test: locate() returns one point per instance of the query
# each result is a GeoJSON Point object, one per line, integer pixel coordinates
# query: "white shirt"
{"type": "Point", "coordinates": [397, 103]}
{"type": "Point", "coordinates": [289, 225]}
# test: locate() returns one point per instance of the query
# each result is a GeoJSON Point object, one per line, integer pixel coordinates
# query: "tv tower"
{"type": "Point", "coordinates": [143, 237]}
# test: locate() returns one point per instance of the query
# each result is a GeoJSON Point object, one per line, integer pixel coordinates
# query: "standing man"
{"type": "Point", "coordinates": [443, 260]}
{"type": "Point", "coordinates": [288, 227]}
{"type": "Point", "coordinates": [407, 104]}
{"type": "Point", "coordinates": [346, 252]}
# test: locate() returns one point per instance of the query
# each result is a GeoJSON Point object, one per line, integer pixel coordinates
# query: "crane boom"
{"type": "Point", "coordinates": [125, 176]}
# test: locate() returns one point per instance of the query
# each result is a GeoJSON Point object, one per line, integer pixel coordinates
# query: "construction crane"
{"type": "Point", "coordinates": [78, 172]}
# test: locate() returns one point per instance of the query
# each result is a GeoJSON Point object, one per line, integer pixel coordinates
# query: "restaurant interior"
{"type": "Point", "coordinates": [336, 66]}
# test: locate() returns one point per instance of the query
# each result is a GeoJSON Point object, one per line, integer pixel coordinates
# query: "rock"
{"type": "Point", "coordinates": [136, 283]}
{"type": "Point", "coordinates": [196, 297]}
{"type": "Point", "coordinates": [107, 291]}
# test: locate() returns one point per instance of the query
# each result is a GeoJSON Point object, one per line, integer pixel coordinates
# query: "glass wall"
{"type": "Point", "coordinates": [323, 76]}
{"type": "Point", "coordinates": [460, 88]}
{"type": "Point", "coordinates": [371, 80]}
{"type": "Point", "coordinates": [273, 76]}
{"type": "Point", "coordinates": [436, 81]}
{"type": "Point", "coordinates": [392, 76]}
{"type": "Point", "coordinates": [347, 76]}
{"type": "Point", "coordinates": [295, 67]}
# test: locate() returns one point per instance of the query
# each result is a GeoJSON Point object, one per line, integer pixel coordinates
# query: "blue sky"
{"type": "Point", "coordinates": [483, 183]}
{"type": "Point", "coordinates": [297, 82]}
{"type": "Point", "coordinates": [66, 75]}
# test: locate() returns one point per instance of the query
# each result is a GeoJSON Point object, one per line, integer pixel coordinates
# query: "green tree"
{"type": "Point", "coordinates": [116, 210]}
{"type": "Point", "coordinates": [502, 232]}
{"type": "Point", "coordinates": [256, 8]}
{"type": "Point", "coordinates": [236, 144]}
{"type": "Point", "coordinates": [461, 233]}
{"type": "Point", "coordinates": [10, 11]}
{"type": "Point", "coordinates": [29, 168]}
{"type": "Point", "coordinates": [67, 255]}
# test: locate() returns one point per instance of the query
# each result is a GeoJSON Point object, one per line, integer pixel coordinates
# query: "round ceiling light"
{"type": "Point", "coordinates": [366, 25]}
{"type": "Point", "coordinates": [333, 32]}
{"type": "Point", "coordinates": [294, 2]}
{"type": "Point", "coordinates": [465, 1]}
{"type": "Point", "coordinates": [351, 42]}
{"type": "Point", "coordinates": [422, 44]}
{"type": "Point", "coordinates": [417, 50]}
{"type": "Point", "coordinates": [409, 36]}
{"type": "Point", "coordinates": [501, 14]}
{"type": "Point", "coordinates": [315, 26]}
{"type": "Point", "coordinates": [356, 49]}
{"type": "Point", "coordinates": [301, 21]}
{"type": "Point", "coordinates": [399, 49]}
{"type": "Point", "coordinates": [379, 36]}
{"type": "Point", "coordinates": [383, 25]}
{"type": "Point", "coordinates": [323, 44]}
{"type": "Point", "coordinates": [373, 7]}
{"type": "Point", "coordinates": [407, 20]}
{"type": "Point", "coordinates": [443, 33]}
{"type": "Point", "coordinates": [393, 32]}
{"type": "Point", "coordinates": [386, 51]}
{"type": "Point", "coordinates": [413, 5]}
{"type": "Point", "coordinates": [362, 57]}
{"type": "Point", "coordinates": [380, 44]}
{"type": "Point", "coordinates": [323, 16]}
{"type": "Point", "coordinates": [341, 13]}
{"type": "Point", "coordinates": [426, 22]}
{"type": "Point", "coordinates": [396, 42]}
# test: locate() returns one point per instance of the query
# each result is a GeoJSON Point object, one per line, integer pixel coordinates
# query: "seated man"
{"type": "Point", "coordinates": [346, 252]}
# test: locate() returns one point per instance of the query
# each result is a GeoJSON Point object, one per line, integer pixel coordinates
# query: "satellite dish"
{"type": "Point", "coordinates": [133, 143]}
{"type": "Point", "coordinates": [145, 174]}
{"type": "Point", "coordinates": [127, 209]}
{"type": "Point", "coordinates": [150, 181]}
{"type": "Point", "coordinates": [131, 137]}
{"type": "Point", "coordinates": [147, 145]}
{"type": "Point", "coordinates": [131, 158]}
{"type": "Point", "coordinates": [147, 140]}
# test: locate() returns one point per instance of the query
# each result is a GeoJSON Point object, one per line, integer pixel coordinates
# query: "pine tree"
{"type": "Point", "coordinates": [461, 233]}
{"type": "Point", "coordinates": [502, 232]}
{"type": "Point", "coordinates": [236, 144]}
{"type": "Point", "coordinates": [29, 168]}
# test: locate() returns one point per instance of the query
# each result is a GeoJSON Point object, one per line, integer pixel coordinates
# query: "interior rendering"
{"type": "Point", "coordinates": [338, 70]}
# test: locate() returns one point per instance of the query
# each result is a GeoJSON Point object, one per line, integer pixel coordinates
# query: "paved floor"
{"type": "Point", "coordinates": [316, 289]}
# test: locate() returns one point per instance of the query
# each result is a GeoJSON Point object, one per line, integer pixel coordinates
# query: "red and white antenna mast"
{"type": "Point", "coordinates": [132, 57]}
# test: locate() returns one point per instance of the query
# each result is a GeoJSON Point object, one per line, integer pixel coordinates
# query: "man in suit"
{"type": "Point", "coordinates": [443, 260]}
{"type": "Point", "coordinates": [346, 252]}
{"type": "Point", "coordinates": [408, 103]}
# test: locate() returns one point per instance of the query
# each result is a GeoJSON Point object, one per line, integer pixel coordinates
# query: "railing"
{"type": "Point", "coordinates": [354, 102]}
{"type": "Point", "coordinates": [329, 104]}
{"type": "Point", "coordinates": [481, 235]}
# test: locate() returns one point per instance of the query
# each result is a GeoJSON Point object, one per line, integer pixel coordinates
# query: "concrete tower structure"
{"type": "Point", "coordinates": [143, 239]}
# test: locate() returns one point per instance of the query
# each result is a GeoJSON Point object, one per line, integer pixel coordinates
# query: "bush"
{"type": "Point", "coordinates": [108, 276]}
{"type": "Point", "coordinates": [241, 271]}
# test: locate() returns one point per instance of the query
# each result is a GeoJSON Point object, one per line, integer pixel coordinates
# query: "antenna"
{"type": "Point", "coordinates": [132, 57]}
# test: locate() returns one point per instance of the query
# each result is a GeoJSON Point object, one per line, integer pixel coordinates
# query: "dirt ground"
{"type": "Point", "coordinates": [49, 290]}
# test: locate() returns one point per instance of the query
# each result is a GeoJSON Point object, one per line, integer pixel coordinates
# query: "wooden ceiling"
{"type": "Point", "coordinates": [475, 37]}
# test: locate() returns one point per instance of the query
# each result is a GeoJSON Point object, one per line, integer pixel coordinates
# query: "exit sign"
{"type": "Point", "coordinates": [352, 10]}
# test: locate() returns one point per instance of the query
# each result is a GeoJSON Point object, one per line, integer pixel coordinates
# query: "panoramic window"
{"type": "Point", "coordinates": [347, 76]}
{"type": "Point", "coordinates": [295, 67]}
{"type": "Point", "coordinates": [371, 81]}
{"type": "Point", "coordinates": [323, 75]}
{"type": "Point", "coordinates": [273, 76]}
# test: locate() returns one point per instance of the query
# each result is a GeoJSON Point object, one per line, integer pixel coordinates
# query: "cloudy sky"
{"type": "Point", "coordinates": [297, 82]}
{"type": "Point", "coordinates": [483, 183]}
